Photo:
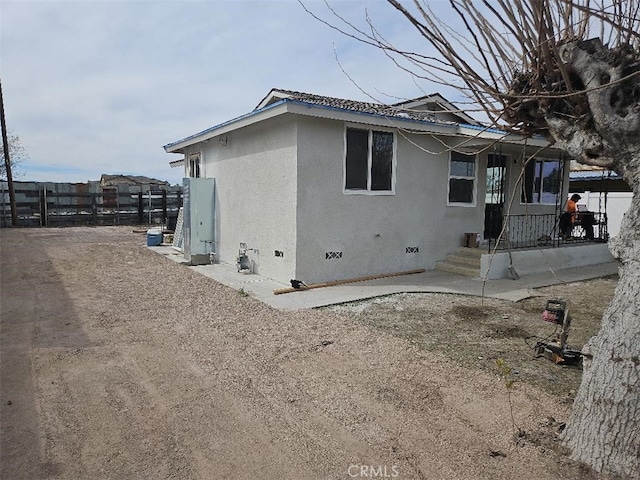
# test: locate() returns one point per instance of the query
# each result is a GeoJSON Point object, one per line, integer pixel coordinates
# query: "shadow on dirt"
{"type": "Point", "coordinates": [36, 313]}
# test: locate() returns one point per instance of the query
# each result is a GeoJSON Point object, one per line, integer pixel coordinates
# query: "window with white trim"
{"type": "Point", "coordinates": [194, 165]}
{"type": "Point", "coordinates": [541, 181]}
{"type": "Point", "coordinates": [369, 161]}
{"type": "Point", "coordinates": [462, 179]}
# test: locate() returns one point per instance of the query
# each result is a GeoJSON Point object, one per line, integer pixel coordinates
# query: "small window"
{"type": "Point", "coordinates": [369, 161]}
{"type": "Point", "coordinates": [194, 165]}
{"type": "Point", "coordinates": [462, 179]}
{"type": "Point", "coordinates": [541, 182]}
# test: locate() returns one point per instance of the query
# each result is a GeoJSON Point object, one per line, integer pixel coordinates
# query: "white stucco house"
{"type": "Point", "coordinates": [325, 189]}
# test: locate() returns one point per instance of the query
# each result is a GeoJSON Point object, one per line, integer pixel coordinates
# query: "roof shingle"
{"type": "Point", "coordinates": [356, 106]}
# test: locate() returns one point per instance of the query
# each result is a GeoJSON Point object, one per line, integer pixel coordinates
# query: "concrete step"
{"type": "Point", "coordinates": [464, 259]}
{"type": "Point", "coordinates": [458, 269]}
{"type": "Point", "coordinates": [472, 252]}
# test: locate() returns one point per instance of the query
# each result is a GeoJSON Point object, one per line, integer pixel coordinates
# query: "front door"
{"type": "Point", "coordinates": [494, 195]}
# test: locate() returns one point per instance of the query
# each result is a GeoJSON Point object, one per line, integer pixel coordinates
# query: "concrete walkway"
{"type": "Point", "coordinates": [431, 281]}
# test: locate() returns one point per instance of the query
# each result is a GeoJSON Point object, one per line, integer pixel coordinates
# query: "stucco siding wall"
{"type": "Point", "coordinates": [373, 231]}
{"type": "Point", "coordinates": [255, 172]}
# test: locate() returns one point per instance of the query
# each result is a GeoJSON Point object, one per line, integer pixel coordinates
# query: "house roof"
{"type": "Point", "coordinates": [437, 103]}
{"type": "Point", "coordinates": [413, 115]}
{"type": "Point", "coordinates": [425, 108]}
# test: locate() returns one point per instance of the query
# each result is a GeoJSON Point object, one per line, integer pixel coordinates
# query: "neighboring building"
{"type": "Point", "coordinates": [114, 185]}
{"type": "Point", "coordinates": [131, 180]}
{"type": "Point", "coordinates": [325, 189]}
{"type": "Point", "coordinates": [587, 178]}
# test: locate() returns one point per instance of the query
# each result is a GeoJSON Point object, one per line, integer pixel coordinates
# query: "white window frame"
{"type": "Point", "coordinates": [368, 191]}
{"type": "Point", "coordinates": [474, 195]}
{"type": "Point", "coordinates": [194, 165]}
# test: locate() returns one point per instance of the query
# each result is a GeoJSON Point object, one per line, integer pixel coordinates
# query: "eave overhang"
{"type": "Point", "coordinates": [480, 134]}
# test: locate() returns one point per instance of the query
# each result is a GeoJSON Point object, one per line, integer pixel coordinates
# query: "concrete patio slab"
{"type": "Point", "coordinates": [431, 281]}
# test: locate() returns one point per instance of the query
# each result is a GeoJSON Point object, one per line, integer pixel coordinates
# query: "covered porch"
{"type": "Point", "coordinates": [525, 196]}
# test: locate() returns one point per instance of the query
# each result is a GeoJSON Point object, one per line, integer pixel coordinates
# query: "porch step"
{"type": "Point", "coordinates": [464, 261]}
{"type": "Point", "coordinates": [466, 256]}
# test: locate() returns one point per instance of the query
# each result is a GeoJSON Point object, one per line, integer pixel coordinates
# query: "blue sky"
{"type": "Point", "coordinates": [95, 87]}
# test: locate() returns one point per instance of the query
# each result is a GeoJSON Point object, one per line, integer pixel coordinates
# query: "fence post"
{"type": "Point", "coordinates": [164, 206]}
{"type": "Point", "coordinates": [94, 208]}
{"type": "Point", "coordinates": [43, 206]}
{"type": "Point", "coordinates": [140, 208]}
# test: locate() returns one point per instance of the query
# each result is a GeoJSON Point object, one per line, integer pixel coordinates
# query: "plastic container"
{"type": "Point", "coordinates": [154, 237]}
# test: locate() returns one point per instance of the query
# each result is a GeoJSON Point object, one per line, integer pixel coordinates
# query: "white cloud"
{"type": "Point", "coordinates": [98, 87]}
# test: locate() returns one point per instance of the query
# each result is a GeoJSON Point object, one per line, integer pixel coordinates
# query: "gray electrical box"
{"type": "Point", "coordinates": [199, 219]}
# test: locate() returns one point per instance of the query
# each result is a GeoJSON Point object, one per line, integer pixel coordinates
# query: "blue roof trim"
{"type": "Point", "coordinates": [315, 105]}
{"type": "Point", "coordinates": [224, 124]}
{"type": "Point", "coordinates": [483, 129]}
{"type": "Point", "coordinates": [496, 130]}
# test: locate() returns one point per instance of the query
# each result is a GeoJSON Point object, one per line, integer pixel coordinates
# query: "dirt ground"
{"type": "Point", "coordinates": [477, 332]}
{"type": "Point", "coordinates": [118, 363]}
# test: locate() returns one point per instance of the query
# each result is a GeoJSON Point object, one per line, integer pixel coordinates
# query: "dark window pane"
{"type": "Point", "coordinates": [541, 183]}
{"type": "Point", "coordinates": [550, 181]}
{"type": "Point", "coordinates": [381, 161]}
{"type": "Point", "coordinates": [462, 165]}
{"type": "Point", "coordinates": [460, 190]}
{"type": "Point", "coordinates": [527, 182]}
{"type": "Point", "coordinates": [357, 151]}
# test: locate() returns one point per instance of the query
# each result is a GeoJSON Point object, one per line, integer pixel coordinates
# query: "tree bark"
{"type": "Point", "coordinates": [604, 430]}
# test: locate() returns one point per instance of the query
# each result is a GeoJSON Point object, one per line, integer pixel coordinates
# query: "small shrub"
{"type": "Point", "coordinates": [506, 372]}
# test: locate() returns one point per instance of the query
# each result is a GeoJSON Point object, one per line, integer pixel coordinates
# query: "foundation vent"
{"type": "Point", "coordinates": [411, 250]}
{"type": "Point", "coordinates": [332, 255]}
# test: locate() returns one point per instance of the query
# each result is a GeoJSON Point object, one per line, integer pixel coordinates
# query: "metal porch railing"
{"type": "Point", "coordinates": [542, 230]}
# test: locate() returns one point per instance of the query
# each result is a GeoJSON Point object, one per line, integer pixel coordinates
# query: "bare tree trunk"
{"type": "Point", "coordinates": [543, 68]}
{"type": "Point", "coordinates": [604, 431]}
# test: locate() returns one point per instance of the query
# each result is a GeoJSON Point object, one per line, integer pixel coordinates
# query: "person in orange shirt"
{"type": "Point", "coordinates": [568, 218]}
